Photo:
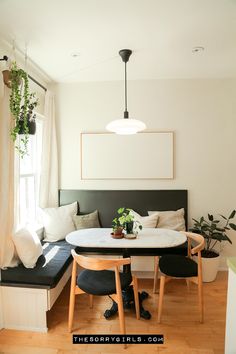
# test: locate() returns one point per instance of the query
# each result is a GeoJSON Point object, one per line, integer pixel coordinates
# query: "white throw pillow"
{"type": "Point", "coordinates": [58, 222]}
{"type": "Point", "coordinates": [172, 220]}
{"type": "Point", "coordinates": [28, 246]}
{"type": "Point", "coordinates": [146, 221]}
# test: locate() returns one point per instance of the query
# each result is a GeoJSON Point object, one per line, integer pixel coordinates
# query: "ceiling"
{"type": "Point", "coordinates": [161, 33]}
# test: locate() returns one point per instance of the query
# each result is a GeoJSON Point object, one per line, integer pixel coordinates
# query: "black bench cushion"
{"type": "Point", "coordinates": [49, 269]}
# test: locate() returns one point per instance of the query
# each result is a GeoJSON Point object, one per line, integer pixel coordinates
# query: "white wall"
{"type": "Point", "coordinates": [201, 112]}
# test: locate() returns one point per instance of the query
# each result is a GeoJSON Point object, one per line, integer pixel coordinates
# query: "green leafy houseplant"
{"type": "Point", "coordinates": [125, 221]}
{"type": "Point", "coordinates": [22, 104]}
{"type": "Point", "coordinates": [213, 230]}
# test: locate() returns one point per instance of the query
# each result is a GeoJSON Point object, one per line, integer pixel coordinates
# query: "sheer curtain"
{"type": "Point", "coordinates": [7, 185]}
{"type": "Point", "coordinates": [48, 191]}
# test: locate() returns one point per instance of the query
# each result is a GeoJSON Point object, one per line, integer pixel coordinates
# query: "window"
{"type": "Point", "coordinates": [29, 177]}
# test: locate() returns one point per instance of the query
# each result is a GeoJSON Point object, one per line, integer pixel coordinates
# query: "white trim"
{"type": "Point", "coordinates": [1, 309]}
{"type": "Point", "coordinates": [39, 116]}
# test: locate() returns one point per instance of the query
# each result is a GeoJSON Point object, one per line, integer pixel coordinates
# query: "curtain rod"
{"type": "Point", "coordinates": [37, 83]}
{"type": "Point", "coordinates": [5, 58]}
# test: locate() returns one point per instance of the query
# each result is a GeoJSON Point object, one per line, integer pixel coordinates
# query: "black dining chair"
{"type": "Point", "coordinates": [182, 267]}
{"type": "Point", "coordinates": [96, 279]}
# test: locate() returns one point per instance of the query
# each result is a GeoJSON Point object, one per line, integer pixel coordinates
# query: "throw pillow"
{"type": "Point", "coordinates": [172, 220]}
{"type": "Point", "coordinates": [86, 221]}
{"type": "Point", "coordinates": [58, 222]}
{"type": "Point", "coordinates": [146, 221]}
{"type": "Point", "coordinates": [28, 246]}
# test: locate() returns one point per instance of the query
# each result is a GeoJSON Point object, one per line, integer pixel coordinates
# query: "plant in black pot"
{"type": "Point", "coordinates": [31, 116]}
{"type": "Point", "coordinates": [22, 105]}
{"type": "Point", "coordinates": [214, 230]}
{"type": "Point", "coordinates": [125, 220]}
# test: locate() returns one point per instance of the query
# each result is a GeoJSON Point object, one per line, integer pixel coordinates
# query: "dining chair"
{"type": "Point", "coordinates": [97, 279]}
{"type": "Point", "coordinates": [178, 266]}
{"type": "Point", "coordinates": [156, 270]}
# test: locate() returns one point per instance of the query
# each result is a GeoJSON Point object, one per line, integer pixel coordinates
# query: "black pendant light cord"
{"type": "Point", "coordinates": [126, 113]}
{"type": "Point", "coordinates": [125, 54]}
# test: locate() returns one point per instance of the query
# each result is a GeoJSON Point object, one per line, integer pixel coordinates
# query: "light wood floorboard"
{"type": "Point", "coordinates": [183, 334]}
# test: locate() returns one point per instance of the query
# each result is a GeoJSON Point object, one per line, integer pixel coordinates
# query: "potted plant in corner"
{"type": "Point", "coordinates": [22, 105]}
{"type": "Point", "coordinates": [214, 231]}
{"type": "Point", "coordinates": [125, 221]}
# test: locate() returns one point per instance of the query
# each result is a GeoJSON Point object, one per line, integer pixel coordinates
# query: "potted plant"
{"type": "Point", "coordinates": [117, 228]}
{"type": "Point", "coordinates": [22, 104]}
{"type": "Point", "coordinates": [125, 221]}
{"type": "Point", "coordinates": [214, 230]}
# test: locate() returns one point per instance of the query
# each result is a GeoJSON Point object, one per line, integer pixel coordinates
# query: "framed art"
{"type": "Point", "coordinates": [148, 155]}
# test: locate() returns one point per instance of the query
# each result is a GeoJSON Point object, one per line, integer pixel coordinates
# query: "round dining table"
{"type": "Point", "coordinates": [146, 238]}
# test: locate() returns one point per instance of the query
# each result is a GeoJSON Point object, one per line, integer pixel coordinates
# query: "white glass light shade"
{"type": "Point", "coordinates": [126, 126]}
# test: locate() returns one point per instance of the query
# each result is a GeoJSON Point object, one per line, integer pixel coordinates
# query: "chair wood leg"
{"type": "Point", "coordinates": [136, 297]}
{"type": "Point", "coordinates": [120, 304]}
{"type": "Point", "coordinates": [160, 301]}
{"type": "Point", "coordinates": [71, 310]}
{"type": "Point", "coordinates": [72, 296]}
{"type": "Point", "coordinates": [156, 268]}
{"type": "Point", "coordinates": [188, 284]}
{"type": "Point", "coordinates": [121, 315]}
{"type": "Point", "coordinates": [90, 301]}
{"type": "Point", "coordinates": [200, 299]}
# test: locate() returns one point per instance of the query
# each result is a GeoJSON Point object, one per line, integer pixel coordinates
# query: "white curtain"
{"type": "Point", "coordinates": [48, 192]}
{"type": "Point", "coordinates": [8, 257]}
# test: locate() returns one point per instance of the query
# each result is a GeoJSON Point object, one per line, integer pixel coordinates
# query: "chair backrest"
{"type": "Point", "coordinates": [199, 240]}
{"type": "Point", "coordinates": [98, 263]}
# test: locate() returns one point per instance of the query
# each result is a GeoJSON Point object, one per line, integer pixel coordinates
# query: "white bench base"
{"type": "Point", "coordinates": [26, 308]}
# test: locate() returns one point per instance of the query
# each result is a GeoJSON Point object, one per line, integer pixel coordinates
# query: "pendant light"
{"type": "Point", "coordinates": [126, 125]}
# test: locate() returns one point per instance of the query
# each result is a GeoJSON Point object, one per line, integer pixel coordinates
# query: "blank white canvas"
{"type": "Point", "coordinates": [138, 156]}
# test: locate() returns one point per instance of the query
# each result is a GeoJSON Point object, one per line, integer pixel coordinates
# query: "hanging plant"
{"type": "Point", "coordinates": [22, 104]}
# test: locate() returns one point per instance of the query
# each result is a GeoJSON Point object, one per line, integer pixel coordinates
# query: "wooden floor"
{"type": "Point", "coordinates": [183, 334]}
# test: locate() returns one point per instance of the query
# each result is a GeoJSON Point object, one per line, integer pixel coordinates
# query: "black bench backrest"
{"type": "Point", "coordinates": [108, 201]}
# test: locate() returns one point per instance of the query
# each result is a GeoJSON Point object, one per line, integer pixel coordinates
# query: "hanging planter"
{"type": "Point", "coordinates": [6, 78]}
{"type": "Point", "coordinates": [22, 105]}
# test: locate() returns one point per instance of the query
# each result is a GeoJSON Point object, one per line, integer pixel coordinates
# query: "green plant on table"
{"type": "Point", "coordinates": [214, 230]}
{"type": "Point", "coordinates": [125, 220]}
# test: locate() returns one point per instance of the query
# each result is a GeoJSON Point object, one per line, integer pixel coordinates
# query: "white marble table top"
{"type": "Point", "coordinates": [147, 238]}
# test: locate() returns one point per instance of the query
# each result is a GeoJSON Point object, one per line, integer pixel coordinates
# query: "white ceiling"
{"type": "Point", "coordinates": [161, 33]}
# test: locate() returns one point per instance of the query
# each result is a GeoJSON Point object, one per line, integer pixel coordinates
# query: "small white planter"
{"type": "Point", "coordinates": [210, 268]}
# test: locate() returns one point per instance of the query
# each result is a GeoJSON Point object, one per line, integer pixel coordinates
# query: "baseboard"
{"type": "Point", "coordinates": [27, 328]}
{"type": "Point", "coordinates": [1, 310]}
{"type": "Point", "coordinates": [150, 275]}
{"type": "Point", "coordinates": [143, 274]}
{"type": "Point", "coordinates": [223, 269]}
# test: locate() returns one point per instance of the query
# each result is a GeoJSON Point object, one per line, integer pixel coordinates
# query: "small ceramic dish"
{"type": "Point", "coordinates": [130, 236]}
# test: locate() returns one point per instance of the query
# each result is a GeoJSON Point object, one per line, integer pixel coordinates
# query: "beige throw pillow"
{"type": "Point", "coordinates": [86, 221]}
{"type": "Point", "coordinates": [146, 221]}
{"type": "Point", "coordinates": [172, 220]}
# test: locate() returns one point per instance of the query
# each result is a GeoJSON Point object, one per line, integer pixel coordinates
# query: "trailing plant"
{"type": "Point", "coordinates": [214, 230]}
{"type": "Point", "coordinates": [22, 104]}
{"type": "Point", "coordinates": [124, 219]}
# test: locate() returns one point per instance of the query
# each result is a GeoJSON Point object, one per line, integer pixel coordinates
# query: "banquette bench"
{"type": "Point", "coordinates": [27, 294]}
